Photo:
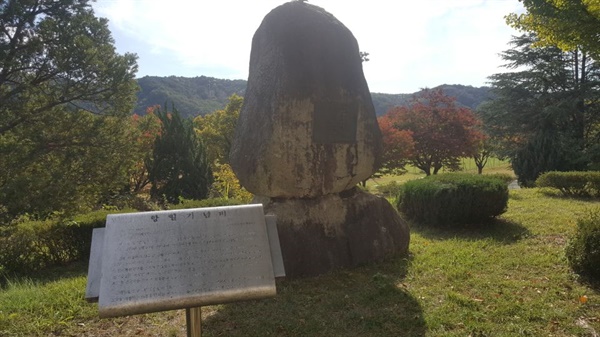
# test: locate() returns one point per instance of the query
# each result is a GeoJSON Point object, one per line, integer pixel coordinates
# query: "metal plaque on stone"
{"type": "Point", "coordinates": [165, 260]}
{"type": "Point", "coordinates": [335, 122]}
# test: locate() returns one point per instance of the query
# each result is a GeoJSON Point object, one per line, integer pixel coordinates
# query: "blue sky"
{"type": "Point", "coordinates": [412, 44]}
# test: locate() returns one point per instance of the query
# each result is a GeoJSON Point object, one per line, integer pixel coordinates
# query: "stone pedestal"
{"type": "Point", "coordinates": [318, 235]}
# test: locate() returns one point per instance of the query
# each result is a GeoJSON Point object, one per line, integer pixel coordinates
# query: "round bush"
{"type": "Point", "coordinates": [583, 250]}
{"type": "Point", "coordinates": [452, 198]}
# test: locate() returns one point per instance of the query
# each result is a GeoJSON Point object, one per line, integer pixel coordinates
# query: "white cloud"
{"type": "Point", "coordinates": [412, 44]}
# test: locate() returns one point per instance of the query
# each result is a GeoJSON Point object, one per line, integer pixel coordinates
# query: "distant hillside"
{"type": "Point", "coordinates": [384, 102]}
{"type": "Point", "coordinates": [465, 95]}
{"type": "Point", "coordinates": [192, 96]}
{"type": "Point", "coordinates": [195, 96]}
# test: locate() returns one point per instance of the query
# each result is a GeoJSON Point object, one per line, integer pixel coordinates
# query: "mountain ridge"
{"type": "Point", "coordinates": [193, 96]}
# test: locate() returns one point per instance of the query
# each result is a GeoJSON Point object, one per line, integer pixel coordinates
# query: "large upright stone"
{"type": "Point", "coordinates": [308, 127]}
{"type": "Point", "coordinates": [307, 134]}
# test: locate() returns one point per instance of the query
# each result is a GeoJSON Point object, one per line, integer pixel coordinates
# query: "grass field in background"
{"type": "Point", "coordinates": [493, 166]}
{"type": "Point", "coordinates": [504, 278]}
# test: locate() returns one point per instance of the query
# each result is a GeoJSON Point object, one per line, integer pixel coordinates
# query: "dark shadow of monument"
{"type": "Point", "coordinates": [365, 301]}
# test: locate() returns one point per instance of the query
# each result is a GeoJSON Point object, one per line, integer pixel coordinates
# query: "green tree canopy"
{"type": "Point", "coordinates": [57, 53]}
{"type": "Point", "coordinates": [567, 24]}
{"type": "Point", "coordinates": [70, 162]}
{"type": "Point", "coordinates": [64, 98]}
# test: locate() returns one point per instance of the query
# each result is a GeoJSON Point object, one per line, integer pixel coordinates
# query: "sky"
{"type": "Point", "coordinates": [412, 44]}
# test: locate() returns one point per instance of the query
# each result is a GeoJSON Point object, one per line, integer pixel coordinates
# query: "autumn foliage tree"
{"type": "Point", "coordinates": [147, 129]}
{"type": "Point", "coordinates": [567, 24]}
{"type": "Point", "coordinates": [432, 131]}
{"type": "Point", "coordinates": [217, 130]}
{"type": "Point", "coordinates": [398, 145]}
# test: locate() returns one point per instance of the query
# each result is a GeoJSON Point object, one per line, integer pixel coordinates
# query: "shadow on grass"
{"type": "Point", "coordinates": [590, 282]}
{"type": "Point", "coordinates": [366, 301]}
{"type": "Point", "coordinates": [500, 230]}
{"type": "Point", "coordinates": [557, 194]}
{"type": "Point", "coordinates": [47, 275]}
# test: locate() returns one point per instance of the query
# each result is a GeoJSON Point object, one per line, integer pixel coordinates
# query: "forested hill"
{"type": "Point", "coordinates": [193, 96]}
{"type": "Point", "coordinates": [465, 95]}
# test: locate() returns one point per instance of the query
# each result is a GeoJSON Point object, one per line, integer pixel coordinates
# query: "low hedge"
{"type": "Point", "coordinates": [33, 245]}
{"type": "Point", "coordinates": [211, 202]}
{"type": "Point", "coordinates": [574, 184]}
{"type": "Point", "coordinates": [453, 198]}
{"type": "Point", "coordinates": [29, 246]}
{"type": "Point", "coordinates": [583, 250]}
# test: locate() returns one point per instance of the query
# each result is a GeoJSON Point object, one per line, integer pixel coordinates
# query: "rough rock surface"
{"type": "Point", "coordinates": [307, 127]}
{"type": "Point", "coordinates": [336, 231]}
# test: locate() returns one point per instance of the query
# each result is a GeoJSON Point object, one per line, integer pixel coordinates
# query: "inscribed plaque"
{"type": "Point", "coordinates": [335, 122]}
{"type": "Point", "coordinates": [156, 261]}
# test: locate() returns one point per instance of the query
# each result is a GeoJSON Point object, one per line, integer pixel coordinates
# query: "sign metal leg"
{"type": "Point", "coordinates": [193, 319]}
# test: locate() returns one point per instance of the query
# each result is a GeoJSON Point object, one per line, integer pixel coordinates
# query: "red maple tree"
{"type": "Point", "coordinates": [398, 145]}
{"type": "Point", "coordinates": [440, 132]}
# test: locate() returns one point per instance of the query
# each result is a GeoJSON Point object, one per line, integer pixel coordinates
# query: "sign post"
{"type": "Point", "coordinates": [193, 320]}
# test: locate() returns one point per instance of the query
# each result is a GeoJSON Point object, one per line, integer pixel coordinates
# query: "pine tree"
{"type": "Point", "coordinates": [179, 167]}
{"type": "Point", "coordinates": [545, 114]}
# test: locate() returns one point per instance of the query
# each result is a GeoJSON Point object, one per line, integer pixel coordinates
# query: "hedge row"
{"type": "Point", "coordinates": [576, 184]}
{"type": "Point", "coordinates": [447, 199]}
{"type": "Point", "coordinates": [33, 245]}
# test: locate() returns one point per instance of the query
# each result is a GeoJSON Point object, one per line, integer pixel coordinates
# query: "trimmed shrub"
{"type": "Point", "coordinates": [212, 202]}
{"type": "Point", "coordinates": [32, 245]}
{"type": "Point", "coordinates": [574, 184]}
{"type": "Point", "coordinates": [453, 198]}
{"type": "Point", "coordinates": [507, 178]}
{"type": "Point", "coordinates": [29, 246]}
{"type": "Point", "coordinates": [583, 250]}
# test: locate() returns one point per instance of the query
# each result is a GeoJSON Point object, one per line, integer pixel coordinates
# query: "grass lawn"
{"type": "Point", "coordinates": [493, 166]}
{"type": "Point", "coordinates": [505, 278]}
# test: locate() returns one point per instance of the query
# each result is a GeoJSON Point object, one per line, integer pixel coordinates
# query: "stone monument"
{"type": "Point", "coordinates": [307, 134]}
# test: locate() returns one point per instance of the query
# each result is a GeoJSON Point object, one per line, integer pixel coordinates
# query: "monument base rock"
{"type": "Point", "coordinates": [336, 231]}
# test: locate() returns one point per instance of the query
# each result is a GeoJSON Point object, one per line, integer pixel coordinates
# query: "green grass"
{"type": "Point", "coordinates": [504, 278]}
{"type": "Point", "coordinates": [494, 166]}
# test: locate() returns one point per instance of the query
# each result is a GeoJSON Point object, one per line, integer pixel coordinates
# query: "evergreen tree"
{"type": "Point", "coordinates": [545, 112]}
{"type": "Point", "coordinates": [179, 165]}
